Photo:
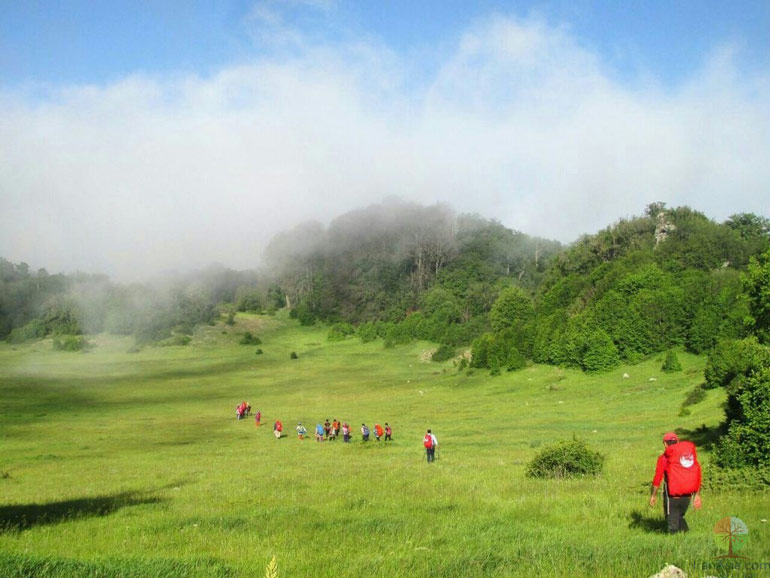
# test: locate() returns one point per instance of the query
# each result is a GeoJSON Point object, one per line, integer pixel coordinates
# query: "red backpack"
{"type": "Point", "coordinates": [427, 441]}
{"type": "Point", "coordinates": [683, 474]}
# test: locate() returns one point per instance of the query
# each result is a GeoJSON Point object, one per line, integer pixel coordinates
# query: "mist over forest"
{"type": "Point", "coordinates": [401, 271]}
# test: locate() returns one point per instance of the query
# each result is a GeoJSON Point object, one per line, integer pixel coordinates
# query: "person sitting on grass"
{"type": "Point", "coordinates": [301, 431]}
{"type": "Point", "coordinates": [364, 432]}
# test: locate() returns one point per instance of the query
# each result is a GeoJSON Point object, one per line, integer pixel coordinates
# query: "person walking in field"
{"type": "Point", "coordinates": [430, 443]}
{"type": "Point", "coordinates": [258, 418]}
{"type": "Point", "coordinates": [319, 433]}
{"type": "Point", "coordinates": [327, 427]}
{"type": "Point", "coordinates": [345, 432]}
{"type": "Point", "coordinates": [277, 429]}
{"type": "Point", "coordinates": [301, 431]}
{"type": "Point", "coordinates": [335, 429]}
{"type": "Point", "coordinates": [364, 432]}
{"type": "Point", "coordinates": [377, 431]}
{"type": "Point", "coordinates": [678, 467]}
{"type": "Point", "coordinates": [388, 433]}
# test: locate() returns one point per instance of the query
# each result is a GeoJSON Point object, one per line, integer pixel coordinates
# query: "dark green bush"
{"type": "Point", "coordinates": [731, 358]}
{"type": "Point", "coordinates": [671, 363]}
{"type": "Point", "coordinates": [230, 318]}
{"type": "Point", "coordinates": [35, 329]}
{"type": "Point", "coordinates": [496, 351]}
{"type": "Point", "coordinates": [443, 353]}
{"type": "Point", "coordinates": [696, 395]}
{"type": "Point", "coordinates": [748, 422]}
{"type": "Point", "coordinates": [259, 352]}
{"type": "Point", "coordinates": [566, 459]}
{"type": "Point", "coordinates": [294, 355]}
{"type": "Point", "coordinates": [717, 479]}
{"type": "Point", "coordinates": [340, 331]}
{"type": "Point", "coordinates": [70, 343]}
{"type": "Point", "coordinates": [249, 339]}
{"type": "Point", "coordinates": [600, 353]}
{"type": "Point", "coordinates": [367, 332]}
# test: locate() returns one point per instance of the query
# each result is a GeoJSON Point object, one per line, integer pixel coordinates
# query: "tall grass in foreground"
{"type": "Point", "coordinates": [132, 464]}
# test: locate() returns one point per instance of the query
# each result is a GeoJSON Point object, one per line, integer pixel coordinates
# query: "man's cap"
{"type": "Point", "coordinates": [670, 437]}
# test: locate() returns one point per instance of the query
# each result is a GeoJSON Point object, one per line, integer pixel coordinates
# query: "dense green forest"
{"type": "Point", "coordinates": [403, 271]}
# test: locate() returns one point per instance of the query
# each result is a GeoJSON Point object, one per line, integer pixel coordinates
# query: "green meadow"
{"type": "Point", "coordinates": [120, 463]}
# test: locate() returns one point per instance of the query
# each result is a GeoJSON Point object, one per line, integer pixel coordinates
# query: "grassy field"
{"type": "Point", "coordinates": [132, 464]}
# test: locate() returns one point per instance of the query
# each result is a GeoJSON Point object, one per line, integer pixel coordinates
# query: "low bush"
{"type": "Point", "coordinates": [259, 352]}
{"type": "Point", "coordinates": [695, 395]}
{"type": "Point", "coordinates": [566, 459]}
{"type": "Point", "coordinates": [70, 343]}
{"type": "Point", "coordinates": [294, 355]}
{"type": "Point", "coordinates": [340, 331]}
{"type": "Point", "coordinates": [249, 339]}
{"type": "Point", "coordinates": [443, 353]}
{"type": "Point", "coordinates": [35, 329]}
{"type": "Point", "coordinates": [671, 363]}
{"type": "Point", "coordinates": [717, 479]}
{"type": "Point", "coordinates": [367, 332]}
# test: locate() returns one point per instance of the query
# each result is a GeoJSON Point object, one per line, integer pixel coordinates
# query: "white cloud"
{"type": "Point", "coordinates": [519, 123]}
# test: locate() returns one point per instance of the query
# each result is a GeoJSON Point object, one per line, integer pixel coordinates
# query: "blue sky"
{"type": "Point", "coordinates": [84, 42]}
{"type": "Point", "coordinates": [146, 136]}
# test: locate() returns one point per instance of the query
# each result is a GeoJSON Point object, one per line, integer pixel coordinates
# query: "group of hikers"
{"type": "Point", "coordinates": [677, 467]}
{"type": "Point", "coordinates": [242, 410]}
{"type": "Point", "coordinates": [331, 430]}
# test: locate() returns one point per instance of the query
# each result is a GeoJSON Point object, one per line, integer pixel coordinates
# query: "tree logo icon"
{"type": "Point", "coordinates": [731, 534]}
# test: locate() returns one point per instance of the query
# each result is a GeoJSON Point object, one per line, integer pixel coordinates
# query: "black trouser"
{"type": "Point", "coordinates": [674, 507]}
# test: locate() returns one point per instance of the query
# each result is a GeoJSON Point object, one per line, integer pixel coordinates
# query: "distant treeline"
{"type": "Point", "coordinates": [403, 271]}
{"type": "Point", "coordinates": [668, 278]}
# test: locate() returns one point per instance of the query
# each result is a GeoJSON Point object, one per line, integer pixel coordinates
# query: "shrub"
{"type": "Point", "coordinates": [340, 331]}
{"type": "Point", "coordinates": [230, 318]}
{"type": "Point", "coordinates": [294, 355]}
{"type": "Point", "coordinates": [443, 353]}
{"type": "Point", "coordinates": [70, 343]}
{"type": "Point", "coordinates": [731, 358]}
{"type": "Point", "coordinates": [367, 332]}
{"type": "Point", "coordinates": [732, 479]}
{"type": "Point", "coordinates": [748, 422]}
{"type": "Point", "coordinates": [463, 364]}
{"type": "Point", "coordinates": [496, 351]}
{"type": "Point", "coordinates": [696, 395]}
{"type": "Point", "coordinates": [566, 459]}
{"type": "Point", "coordinates": [35, 329]}
{"type": "Point", "coordinates": [249, 339]}
{"type": "Point", "coordinates": [600, 353]}
{"type": "Point", "coordinates": [259, 352]}
{"type": "Point", "coordinates": [671, 363]}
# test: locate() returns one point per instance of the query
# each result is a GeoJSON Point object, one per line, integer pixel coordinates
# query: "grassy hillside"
{"type": "Point", "coordinates": [132, 464]}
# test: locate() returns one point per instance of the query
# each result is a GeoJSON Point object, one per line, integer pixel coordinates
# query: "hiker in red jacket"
{"type": "Point", "coordinates": [678, 466]}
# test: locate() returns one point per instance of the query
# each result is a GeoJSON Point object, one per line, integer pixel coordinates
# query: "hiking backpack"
{"type": "Point", "coordinates": [683, 474]}
{"type": "Point", "coordinates": [428, 441]}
